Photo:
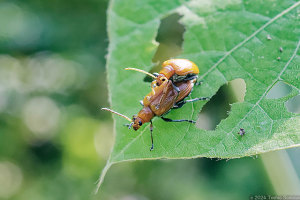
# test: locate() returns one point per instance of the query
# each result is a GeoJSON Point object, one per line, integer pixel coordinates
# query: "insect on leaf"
{"type": "Point", "coordinates": [227, 40]}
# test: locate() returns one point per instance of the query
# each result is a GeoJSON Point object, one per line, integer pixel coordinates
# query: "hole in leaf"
{"type": "Point", "coordinates": [170, 39]}
{"type": "Point", "coordinates": [219, 105]}
{"type": "Point", "coordinates": [280, 89]}
{"type": "Point", "coordinates": [293, 104]}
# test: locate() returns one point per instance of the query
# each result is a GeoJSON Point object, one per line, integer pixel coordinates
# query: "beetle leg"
{"type": "Point", "coordinates": [129, 125]}
{"type": "Point", "coordinates": [196, 99]}
{"type": "Point", "coordinates": [188, 78]}
{"type": "Point", "coordinates": [155, 74]}
{"type": "Point", "coordinates": [178, 105]}
{"type": "Point", "coordinates": [141, 102]}
{"type": "Point", "coordinates": [178, 120]}
{"type": "Point", "coordinates": [152, 88]}
{"type": "Point", "coordinates": [181, 103]}
{"type": "Point", "coordinates": [176, 88]}
{"type": "Point", "coordinates": [151, 130]}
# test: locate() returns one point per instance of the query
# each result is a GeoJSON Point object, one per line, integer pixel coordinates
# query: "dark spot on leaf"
{"type": "Point", "coordinates": [280, 89]}
{"type": "Point", "coordinates": [219, 105]}
{"type": "Point", "coordinates": [293, 104]}
{"type": "Point", "coordinates": [280, 49]}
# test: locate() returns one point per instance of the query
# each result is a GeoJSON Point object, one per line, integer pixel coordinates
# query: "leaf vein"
{"type": "Point", "coordinates": [264, 94]}
{"type": "Point", "coordinates": [248, 38]}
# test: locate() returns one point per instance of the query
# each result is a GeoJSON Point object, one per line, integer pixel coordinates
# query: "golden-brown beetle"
{"type": "Point", "coordinates": [161, 99]}
{"type": "Point", "coordinates": [175, 70]}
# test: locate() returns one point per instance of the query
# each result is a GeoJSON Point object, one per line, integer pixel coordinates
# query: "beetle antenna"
{"type": "Point", "coordinates": [112, 111]}
{"type": "Point", "coordinates": [140, 70]}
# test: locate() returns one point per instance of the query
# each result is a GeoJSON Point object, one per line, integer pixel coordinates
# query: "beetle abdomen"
{"type": "Point", "coordinates": [181, 67]}
{"type": "Point", "coordinates": [185, 89]}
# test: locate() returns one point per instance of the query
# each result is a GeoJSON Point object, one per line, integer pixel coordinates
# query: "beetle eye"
{"type": "Point", "coordinates": [140, 123]}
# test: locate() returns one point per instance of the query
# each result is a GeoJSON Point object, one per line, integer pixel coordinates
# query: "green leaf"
{"type": "Point", "coordinates": [227, 39]}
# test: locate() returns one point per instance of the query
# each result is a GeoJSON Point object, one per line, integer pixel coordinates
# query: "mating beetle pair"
{"type": "Point", "coordinates": [170, 87]}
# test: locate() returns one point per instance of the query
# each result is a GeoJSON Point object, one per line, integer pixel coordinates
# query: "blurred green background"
{"type": "Point", "coordinates": [54, 140]}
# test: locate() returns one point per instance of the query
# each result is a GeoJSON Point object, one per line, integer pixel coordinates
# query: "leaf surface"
{"type": "Point", "coordinates": [227, 39]}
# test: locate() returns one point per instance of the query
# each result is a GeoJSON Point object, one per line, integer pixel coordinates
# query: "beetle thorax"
{"type": "Point", "coordinates": [167, 71]}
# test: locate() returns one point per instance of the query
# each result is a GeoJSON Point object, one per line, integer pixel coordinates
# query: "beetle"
{"type": "Point", "coordinates": [159, 101]}
{"type": "Point", "coordinates": [178, 70]}
{"type": "Point", "coordinates": [175, 70]}
{"type": "Point", "coordinates": [242, 132]}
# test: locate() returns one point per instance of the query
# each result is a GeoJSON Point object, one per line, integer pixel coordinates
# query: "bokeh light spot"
{"type": "Point", "coordinates": [10, 179]}
{"type": "Point", "coordinates": [41, 116]}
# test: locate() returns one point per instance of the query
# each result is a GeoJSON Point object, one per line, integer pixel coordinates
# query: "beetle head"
{"type": "Point", "coordinates": [160, 79]}
{"type": "Point", "coordinates": [137, 122]}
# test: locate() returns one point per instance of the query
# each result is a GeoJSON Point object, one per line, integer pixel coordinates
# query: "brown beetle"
{"type": "Point", "coordinates": [160, 100]}
{"type": "Point", "coordinates": [176, 70]}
